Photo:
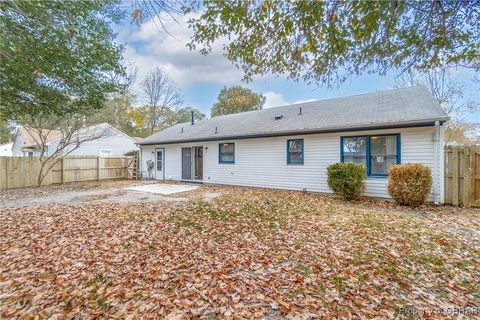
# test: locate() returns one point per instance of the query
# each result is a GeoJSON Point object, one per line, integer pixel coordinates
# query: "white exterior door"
{"type": "Point", "coordinates": [160, 164]}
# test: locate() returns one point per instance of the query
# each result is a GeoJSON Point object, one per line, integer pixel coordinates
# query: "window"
{"type": "Point", "coordinates": [105, 152]}
{"type": "Point", "coordinates": [295, 151]}
{"type": "Point", "coordinates": [355, 150]}
{"type": "Point", "coordinates": [377, 153]}
{"type": "Point", "coordinates": [226, 153]}
{"type": "Point", "coordinates": [383, 154]}
{"type": "Point", "coordinates": [29, 154]}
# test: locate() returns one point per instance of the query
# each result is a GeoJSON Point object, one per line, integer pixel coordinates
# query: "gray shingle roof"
{"type": "Point", "coordinates": [398, 107]}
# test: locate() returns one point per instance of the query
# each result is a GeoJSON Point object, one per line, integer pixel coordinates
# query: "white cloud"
{"type": "Point", "coordinates": [303, 101]}
{"type": "Point", "coordinates": [148, 47]}
{"type": "Point", "coordinates": [274, 99]}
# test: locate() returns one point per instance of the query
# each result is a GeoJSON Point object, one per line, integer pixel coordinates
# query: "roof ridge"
{"type": "Point", "coordinates": [319, 100]}
{"type": "Point", "coordinates": [365, 94]}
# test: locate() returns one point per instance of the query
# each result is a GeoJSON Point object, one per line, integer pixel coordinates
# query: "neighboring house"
{"type": "Point", "coordinates": [6, 149]}
{"type": "Point", "coordinates": [111, 142]}
{"type": "Point", "coordinates": [290, 147]}
{"type": "Point", "coordinates": [25, 141]}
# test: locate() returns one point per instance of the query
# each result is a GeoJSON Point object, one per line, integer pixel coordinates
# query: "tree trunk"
{"type": "Point", "coordinates": [45, 168]}
{"type": "Point", "coordinates": [41, 175]}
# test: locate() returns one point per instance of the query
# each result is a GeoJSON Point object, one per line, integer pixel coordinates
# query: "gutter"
{"type": "Point", "coordinates": [428, 123]}
{"type": "Point", "coordinates": [436, 164]}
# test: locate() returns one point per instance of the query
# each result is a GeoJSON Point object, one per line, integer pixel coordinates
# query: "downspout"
{"type": "Point", "coordinates": [436, 164]}
{"type": "Point", "coordinates": [140, 164]}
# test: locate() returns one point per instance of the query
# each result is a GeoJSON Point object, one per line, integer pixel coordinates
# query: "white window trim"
{"type": "Point", "coordinates": [102, 150]}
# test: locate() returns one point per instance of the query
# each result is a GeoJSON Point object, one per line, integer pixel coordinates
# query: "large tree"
{"type": "Point", "coordinates": [462, 132]}
{"type": "Point", "coordinates": [137, 124]}
{"type": "Point", "coordinates": [184, 114]}
{"type": "Point", "coordinates": [6, 131]}
{"type": "Point", "coordinates": [163, 98]}
{"type": "Point", "coordinates": [327, 41]}
{"type": "Point", "coordinates": [57, 64]}
{"type": "Point", "coordinates": [118, 103]}
{"type": "Point", "coordinates": [57, 57]}
{"type": "Point", "coordinates": [237, 99]}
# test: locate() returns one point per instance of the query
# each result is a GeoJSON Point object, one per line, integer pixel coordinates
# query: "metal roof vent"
{"type": "Point", "coordinates": [278, 116]}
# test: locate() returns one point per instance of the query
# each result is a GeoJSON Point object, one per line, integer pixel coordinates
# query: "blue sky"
{"type": "Point", "coordinates": [200, 78]}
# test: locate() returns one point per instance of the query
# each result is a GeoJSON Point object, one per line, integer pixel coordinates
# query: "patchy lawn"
{"type": "Point", "coordinates": [250, 253]}
{"type": "Point", "coordinates": [33, 192]}
{"type": "Point", "coordinates": [77, 193]}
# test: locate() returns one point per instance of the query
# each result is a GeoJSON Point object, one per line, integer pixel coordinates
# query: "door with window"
{"type": "Point", "coordinates": [186, 163]}
{"type": "Point", "coordinates": [198, 163]}
{"type": "Point", "coordinates": [160, 163]}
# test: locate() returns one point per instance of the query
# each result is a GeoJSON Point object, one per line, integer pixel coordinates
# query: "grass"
{"type": "Point", "coordinates": [97, 280]}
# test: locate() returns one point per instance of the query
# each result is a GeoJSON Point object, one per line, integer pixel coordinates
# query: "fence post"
{"type": "Point", "coordinates": [473, 178]}
{"type": "Point", "coordinates": [466, 177]}
{"type": "Point", "coordinates": [63, 171]}
{"type": "Point", "coordinates": [126, 167]}
{"type": "Point", "coordinates": [98, 168]}
{"type": "Point", "coordinates": [455, 176]}
{"type": "Point", "coordinates": [6, 173]}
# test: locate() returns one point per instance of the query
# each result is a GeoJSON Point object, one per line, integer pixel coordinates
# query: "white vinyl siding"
{"type": "Point", "coordinates": [260, 162]}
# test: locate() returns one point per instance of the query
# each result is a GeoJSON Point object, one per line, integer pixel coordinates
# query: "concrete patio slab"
{"type": "Point", "coordinates": [164, 189]}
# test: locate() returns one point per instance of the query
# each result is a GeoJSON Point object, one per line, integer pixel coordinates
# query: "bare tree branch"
{"type": "Point", "coordinates": [164, 99]}
{"type": "Point", "coordinates": [449, 93]}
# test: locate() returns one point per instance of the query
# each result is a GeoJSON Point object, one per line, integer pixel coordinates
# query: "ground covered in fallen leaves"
{"type": "Point", "coordinates": [250, 253]}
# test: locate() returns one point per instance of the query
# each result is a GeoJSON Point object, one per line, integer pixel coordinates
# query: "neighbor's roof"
{"type": "Point", "coordinates": [392, 108]}
{"type": "Point", "coordinates": [31, 137]}
{"type": "Point", "coordinates": [100, 130]}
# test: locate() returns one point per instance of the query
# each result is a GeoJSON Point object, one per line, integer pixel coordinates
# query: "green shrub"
{"type": "Point", "coordinates": [131, 153]}
{"type": "Point", "coordinates": [346, 179]}
{"type": "Point", "coordinates": [409, 184]}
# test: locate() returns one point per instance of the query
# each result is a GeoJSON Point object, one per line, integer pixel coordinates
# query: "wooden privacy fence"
{"type": "Point", "coordinates": [462, 176]}
{"type": "Point", "coordinates": [462, 172]}
{"type": "Point", "coordinates": [19, 172]}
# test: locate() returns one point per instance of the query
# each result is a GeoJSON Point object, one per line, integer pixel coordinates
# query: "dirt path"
{"type": "Point", "coordinates": [118, 195]}
{"type": "Point", "coordinates": [76, 194]}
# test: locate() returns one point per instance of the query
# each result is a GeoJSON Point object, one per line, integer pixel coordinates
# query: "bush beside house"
{"type": "Point", "coordinates": [347, 179]}
{"type": "Point", "coordinates": [131, 153]}
{"type": "Point", "coordinates": [409, 184]}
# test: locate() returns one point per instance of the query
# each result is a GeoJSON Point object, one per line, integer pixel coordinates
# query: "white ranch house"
{"type": "Point", "coordinates": [290, 147]}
